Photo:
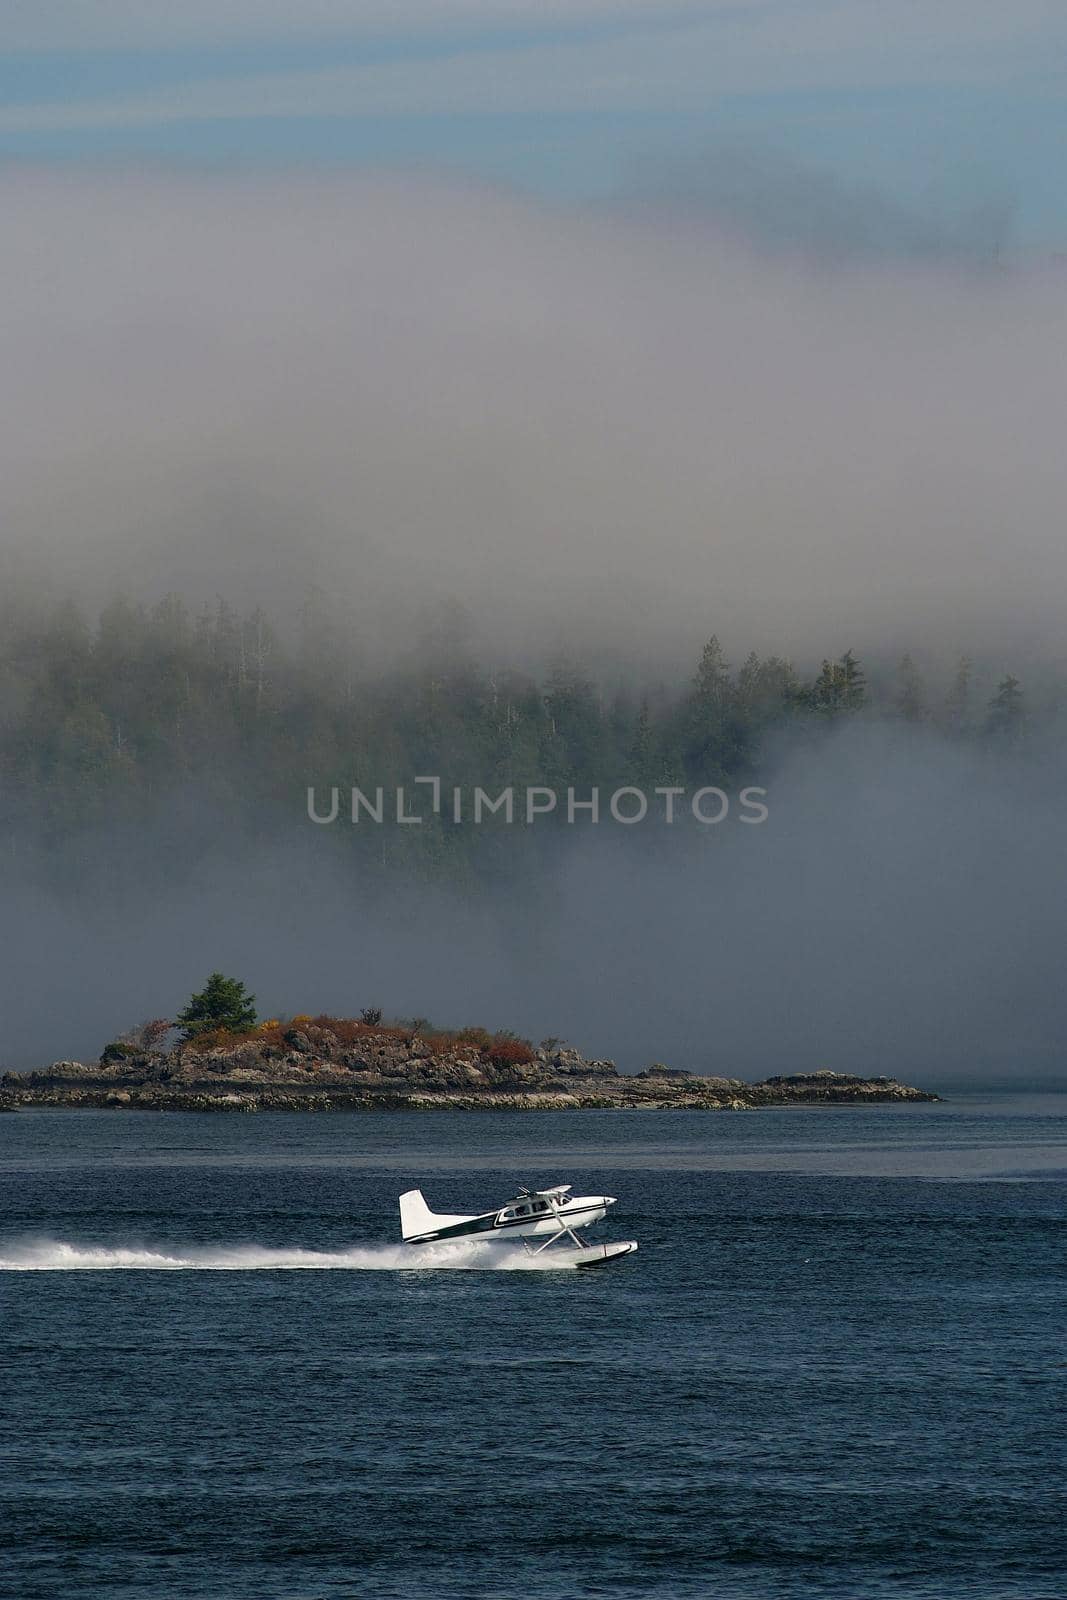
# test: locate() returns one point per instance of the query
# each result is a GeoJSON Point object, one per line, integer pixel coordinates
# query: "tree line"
{"type": "Point", "coordinates": [106, 721]}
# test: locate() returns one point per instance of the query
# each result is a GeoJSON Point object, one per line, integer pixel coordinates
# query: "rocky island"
{"type": "Point", "coordinates": [337, 1064]}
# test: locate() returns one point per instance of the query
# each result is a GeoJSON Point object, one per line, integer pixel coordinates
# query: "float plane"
{"type": "Point", "coordinates": [540, 1218]}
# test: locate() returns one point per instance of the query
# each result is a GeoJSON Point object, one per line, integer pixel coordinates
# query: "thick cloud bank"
{"type": "Point", "coordinates": [585, 428]}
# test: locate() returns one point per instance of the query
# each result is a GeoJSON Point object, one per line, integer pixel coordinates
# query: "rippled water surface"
{"type": "Point", "coordinates": [836, 1367]}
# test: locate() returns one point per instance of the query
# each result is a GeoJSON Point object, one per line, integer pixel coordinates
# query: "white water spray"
{"type": "Point", "coordinates": [57, 1255]}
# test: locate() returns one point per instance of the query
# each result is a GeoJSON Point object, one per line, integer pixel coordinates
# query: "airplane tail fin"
{"type": "Point", "coordinates": [415, 1215]}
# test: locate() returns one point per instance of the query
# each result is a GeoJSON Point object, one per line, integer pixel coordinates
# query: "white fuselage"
{"type": "Point", "coordinates": [522, 1220]}
{"type": "Point", "coordinates": [527, 1216]}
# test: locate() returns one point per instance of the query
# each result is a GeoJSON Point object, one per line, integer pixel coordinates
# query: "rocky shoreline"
{"type": "Point", "coordinates": [384, 1070]}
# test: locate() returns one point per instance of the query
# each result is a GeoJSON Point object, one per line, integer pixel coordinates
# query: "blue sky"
{"type": "Point", "coordinates": [942, 106]}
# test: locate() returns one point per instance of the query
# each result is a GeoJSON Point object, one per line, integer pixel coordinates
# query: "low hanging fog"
{"type": "Point", "coordinates": [610, 429]}
{"type": "Point", "coordinates": [606, 435]}
{"type": "Point", "coordinates": [900, 911]}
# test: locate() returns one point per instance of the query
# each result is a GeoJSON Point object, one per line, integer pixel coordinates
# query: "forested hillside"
{"type": "Point", "coordinates": [142, 713]}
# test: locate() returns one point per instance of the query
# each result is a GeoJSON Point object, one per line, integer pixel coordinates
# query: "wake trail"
{"type": "Point", "coordinates": [57, 1255]}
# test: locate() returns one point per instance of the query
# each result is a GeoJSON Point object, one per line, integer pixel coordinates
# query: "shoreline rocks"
{"type": "Point", "coordinates": [386, 1071]}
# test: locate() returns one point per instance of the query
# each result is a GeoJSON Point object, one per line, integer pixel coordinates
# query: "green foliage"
{"type": "Point", "coordinates": [478, 1036]}
{"type": "Point", "coordinates": [118, 1050]}
{"type": "Point", "coordinates": [108, 728]}
{"type": "Point", "coordinates": [1004, 722]}
{"type": "Point", "coordinates": [840, 687]}
{"type": "Point", "coordinates": [574, 742]}
{"type": "Point", "coordinates": [222, 1005]}
{"type": "Point", "coordinates": [957, 701]}
{"type": "Point", "coordinates": [712, 741]}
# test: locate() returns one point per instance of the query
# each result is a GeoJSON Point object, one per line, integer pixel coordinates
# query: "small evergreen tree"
{"type": "Point", "coordinates": [711, 686]}
{"type": "Point", "coordinates": [1005, 719]}
{"type": "Point", "coordinates": [642, 749]}
{"type": "Point", "coordinates": [713, 744]}
{"type": "Point", "coordinates": [957, 701]}
{"type": "Point", "coordinates": [854, 682]}
{"type": "Point", "coordinates": [840, 686]}
{"type": "Point", "coordinates": [222, 1003]}
{"type": "Point", "coordinates": [766, 689]}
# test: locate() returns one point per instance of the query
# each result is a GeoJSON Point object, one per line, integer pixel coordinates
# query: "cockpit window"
{"type": "Point", "coordinates": [529, 1208]}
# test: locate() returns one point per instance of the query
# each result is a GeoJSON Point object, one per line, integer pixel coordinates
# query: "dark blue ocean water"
{"type": "Point", "coordinates": [836, 1367]}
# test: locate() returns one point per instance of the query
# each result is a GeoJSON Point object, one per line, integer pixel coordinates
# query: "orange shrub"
{"type": "Point", "coordinates": [272, 1032]}
{"type": "Point", "coordinates": [505, 1050]}
{"type": "Point", "coordinates": [220, 1039]}
{"type": "Point", "coordinates": [502, 1049]}
{"type": "Point", "coordinates": [442, 1042]}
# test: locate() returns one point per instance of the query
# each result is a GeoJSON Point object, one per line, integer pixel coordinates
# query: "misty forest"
{"type": "Point", "coordinates": [157, 713]}
{"type": "Point", "coordinates": [574, 501]}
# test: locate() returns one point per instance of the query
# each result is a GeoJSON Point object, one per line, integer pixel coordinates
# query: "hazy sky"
{"type": "Point", "coordinates": [616, 319]}
{"type": "Point", "coordinates": [948, 105]}
{"type": "Point", "coordinates": [596, 431]}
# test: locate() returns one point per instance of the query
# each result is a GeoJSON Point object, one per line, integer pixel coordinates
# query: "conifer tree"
{"type": "Point", "coordinates": [222, 1003]}
{"type": "Point", "coordinates": [840, 686]}
{"type": "Point", "coordinates": [1004, 721]}
{"type": "Point", "coordinates": [957, 701]}
{"type": "Point", "coordinates": [712, 738]}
